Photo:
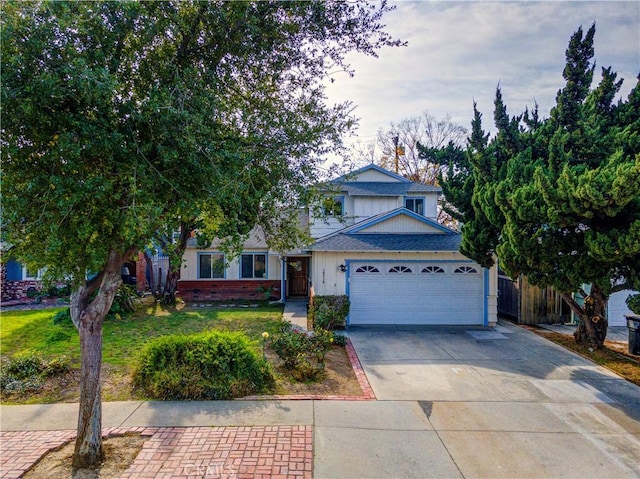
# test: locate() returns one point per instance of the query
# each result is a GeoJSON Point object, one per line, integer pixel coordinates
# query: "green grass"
{"type": "Point", "coordinates": [34, 330]}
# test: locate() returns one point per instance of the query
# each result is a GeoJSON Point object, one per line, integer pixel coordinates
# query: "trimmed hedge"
{"type": "Point", "coordinates": [329, 312]}
{"type": "Point", "coordinates": [211, 365]}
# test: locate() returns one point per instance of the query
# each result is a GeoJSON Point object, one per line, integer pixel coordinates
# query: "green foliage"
{"type": "Point", "coordinates": [212, 365]}
{"type": "Point", "coordinates": [329, 312]}
{"type": "Point", "coordinates": [33, 329]}
{"type": "Point", "coordinates": [58, 335]}
{"type": "Point", "coordinates": [24, 365]}
{"type": "Point", "coordinates": [124, 301]}
{"type": "Point", "coordinates": [303, 353]}
{"type": "Point", "coordinates": [63, 316]}
{"type": "Point", "coordinates": [633, 303]}
{"type": "Point", "coordinates": [122, 119]}
{"type": "Point", "coordinates": [27, 371]}
{"type": "Point", "coordinates": [339, 339]}
{"type": "Point", "coordinates": [557, 199]}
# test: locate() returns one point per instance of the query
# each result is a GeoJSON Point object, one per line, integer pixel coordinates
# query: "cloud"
{"type": "Point", "coordinates": [459, 51]}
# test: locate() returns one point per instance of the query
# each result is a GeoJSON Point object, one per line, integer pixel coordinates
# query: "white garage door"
{"type": "Point", "coordinates": [617, 308]}
{"type": "Point", "coordinates": [430, 293]}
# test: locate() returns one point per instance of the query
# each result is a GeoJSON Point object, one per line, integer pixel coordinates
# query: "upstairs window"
{"type": "Point", "coordinates": [415, 204]}
{"type": "Point", "coordinates": [210, 265]}
{"type": "Point", "coordinates": [333, 206]}
{"type": "Point", "coordinates": [253, 266]}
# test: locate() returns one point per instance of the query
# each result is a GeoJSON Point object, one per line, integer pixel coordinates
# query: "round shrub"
{"type": "Point", "coordinates": [212, 365]}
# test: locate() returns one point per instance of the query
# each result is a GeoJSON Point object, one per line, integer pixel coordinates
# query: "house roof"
{"type": "Point", "coordinates": [395, 186]}
{"type": "Point", "coordinates": [370, 167]}
{"type": "Point", "coordinates": [435, 237]}
{"type": "Point", "coordinates": [388, 242]}
{"type": "Point", "coordinates": [366, 188]}
{"type": "Point", "coordinates": [428, 223]}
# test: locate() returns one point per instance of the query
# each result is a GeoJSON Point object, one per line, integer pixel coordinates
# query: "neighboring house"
{"type": "Point", "coordinates": [378, 242]}
{"type": "Point", "coordinates": [617, 308]}
{"type": "Point", "coordinates": [18, 281]}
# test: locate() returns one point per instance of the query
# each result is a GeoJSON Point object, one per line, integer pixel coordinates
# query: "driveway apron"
{"type": "Point", "coordinates": [478, 402]}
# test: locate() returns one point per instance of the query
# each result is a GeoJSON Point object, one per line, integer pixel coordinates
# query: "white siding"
{"type": "Point", "coordinates": [189, 269]}
{"type": "Point", "coordinates": [368, 206]}
{"type": "Point", "coordinates": [403, 223]}
{"type": "Point", "coordinates": [431, 206]}
{"type": "Point", "coordinates": [320, 227]}
{"type": "Point", "coordinates": [374, 175]}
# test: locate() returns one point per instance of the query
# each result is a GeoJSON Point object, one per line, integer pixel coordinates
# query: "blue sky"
{"type": "Point", "coordinates": [458, 52]}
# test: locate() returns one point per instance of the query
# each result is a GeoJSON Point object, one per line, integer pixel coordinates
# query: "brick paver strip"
{"type": "Point", "coordinates": [178, 452]}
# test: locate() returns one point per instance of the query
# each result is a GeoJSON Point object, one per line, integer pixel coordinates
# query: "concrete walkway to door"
{"type": "Point", "coordinates": [296, 313]}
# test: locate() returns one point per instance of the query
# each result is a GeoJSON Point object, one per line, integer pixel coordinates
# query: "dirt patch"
{"type": "Point", "coordinates": [338, 378]}
{"type": "Point", "coordinates": [120, 452]}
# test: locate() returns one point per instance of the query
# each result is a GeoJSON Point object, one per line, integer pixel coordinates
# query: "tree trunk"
{"type": "Point", "coordinates": [171, 285]}
{"type": "Point", "coordinates": [88, 450]}
{"type": "Point", "coordinates": [592, 329]}
{"type": "Point", "coordinates": [88, 315]}
{"type": "Point", "coordinates": [152, 277]}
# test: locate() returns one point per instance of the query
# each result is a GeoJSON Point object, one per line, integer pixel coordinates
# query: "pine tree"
{"type": "Point", "coordinates": [558, 200]}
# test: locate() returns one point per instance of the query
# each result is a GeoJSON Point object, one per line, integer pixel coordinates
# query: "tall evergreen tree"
{"type": "Point", "coordinates": [558, 200]}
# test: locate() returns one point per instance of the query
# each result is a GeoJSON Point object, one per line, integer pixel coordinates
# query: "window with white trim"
{"type": "Point", "coordinates": [415, 204]}
{"type": "Point", "coordinates": [432, 269]}
{"type": "Point", "coordinates": [400, 269]}
{"type": "Point", "coordinates": [210, 265]}
{"type": "Point", "coordinates": [253, 265]}
{"type": "Point", "coordinates": [367, 269]}
{"type": "Point", "coordinates": [465, 270]}
{"type": "Point", "coordinates": [29, 272]}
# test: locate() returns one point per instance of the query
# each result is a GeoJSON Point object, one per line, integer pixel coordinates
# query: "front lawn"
{"type": "Point", "coordinates": [33, 331]}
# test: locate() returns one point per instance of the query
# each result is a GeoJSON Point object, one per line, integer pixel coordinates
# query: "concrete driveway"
{"type": "Point", "coordinates": [473, 402]}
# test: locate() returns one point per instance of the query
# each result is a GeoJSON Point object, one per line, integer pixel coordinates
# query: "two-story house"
{"type": "Point", "coordinates": [378, 242]}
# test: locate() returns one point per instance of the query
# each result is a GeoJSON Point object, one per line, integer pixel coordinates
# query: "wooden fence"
{"type": "Point", "coordinates": [530, 304]}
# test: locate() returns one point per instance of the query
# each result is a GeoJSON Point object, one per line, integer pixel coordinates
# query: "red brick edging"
{"type": "Point", "coordinates": [367, 390]}
{"type": "Point", "coordinates": [258, 452]}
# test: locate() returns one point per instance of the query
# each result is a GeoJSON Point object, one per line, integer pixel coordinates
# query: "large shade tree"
{"type": "Point", "coordinates": [416, 144]}
{"type": "Point", "coordinates": [121, 119]}
{"type": "Point", "coordinates": [558, 200]}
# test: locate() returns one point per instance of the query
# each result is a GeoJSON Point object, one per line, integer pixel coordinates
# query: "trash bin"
{"type": "Point", "coordinates": [633, 325]}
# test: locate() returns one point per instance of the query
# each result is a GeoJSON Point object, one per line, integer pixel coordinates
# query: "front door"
{"type": "Point", "coordinates": [298, 277]}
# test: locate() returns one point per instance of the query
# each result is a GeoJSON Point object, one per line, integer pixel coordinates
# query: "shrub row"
{"type": "Point", "coordinates": [27, 371]}
{"type": "Point", "coordinates": [329, 312]}
{"type": "Point", "coordinates": [211, 365]}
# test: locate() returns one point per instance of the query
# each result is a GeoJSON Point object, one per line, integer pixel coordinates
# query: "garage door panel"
{"type": "Point", "coordinates": [436, 296]}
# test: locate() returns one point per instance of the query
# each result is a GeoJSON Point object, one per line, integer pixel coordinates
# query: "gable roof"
{"type": "Point", "coordinates": [388, 242]}
{"type": "Point", "coordinates": [396, 186]}
{"type": "Point", "coordinates": [371, 188]}
{"type": "Point", "coordinates": [384, 217]}
{"type": "Point", "coordinates": [370, 167]}
{"type": "Point", "coordinates": [435, 237]}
